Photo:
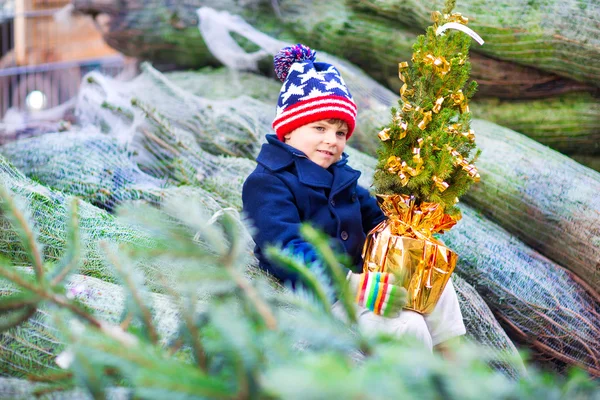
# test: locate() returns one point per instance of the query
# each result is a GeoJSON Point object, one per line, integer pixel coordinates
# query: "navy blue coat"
{"type": "Point", "coordinates": [287, 189]}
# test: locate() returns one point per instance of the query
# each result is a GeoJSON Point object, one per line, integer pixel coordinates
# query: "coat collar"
{"type": "Point", "coordinates": [276, 155]}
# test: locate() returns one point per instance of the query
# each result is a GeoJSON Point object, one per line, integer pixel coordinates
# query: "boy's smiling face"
{"type": "Point", "coordinates": [323, 141]}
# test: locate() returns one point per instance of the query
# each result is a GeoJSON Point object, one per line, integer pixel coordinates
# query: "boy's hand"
{"type": "Point", "coordinates": [377, 292]}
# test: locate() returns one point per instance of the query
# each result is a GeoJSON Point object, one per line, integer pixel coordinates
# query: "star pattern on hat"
{"type": "Point", "coordinates": [315, 93]}
{"type": "Point", "coordinates": [311, 74]}
{"type": "Point", "coordinates": [333, 84]}
{"type": "Point", "coordinates": [306, 81]}
{"type": "Point", "coordinates": [297, 67]}
{"type": "Point", "coordinates": [293, 89]}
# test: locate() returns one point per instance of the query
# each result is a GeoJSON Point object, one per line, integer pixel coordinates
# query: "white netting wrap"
{"type": "Point", "coordinates": [557, 36]}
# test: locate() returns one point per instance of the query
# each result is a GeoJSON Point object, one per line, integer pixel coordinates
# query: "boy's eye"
{"type": "Point", "coordinates": [319, 128]}
{"type": "Point", "coordinates": [342, 133]}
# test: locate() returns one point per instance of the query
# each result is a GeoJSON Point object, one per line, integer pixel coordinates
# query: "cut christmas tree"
{"type": "Point", "coordinates": [425, 162]}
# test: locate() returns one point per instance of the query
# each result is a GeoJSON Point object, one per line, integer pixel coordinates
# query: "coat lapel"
{"type": "Point", "coordinates": [276, 155]}
{"type": "Point", "coordinates": [343, 175]}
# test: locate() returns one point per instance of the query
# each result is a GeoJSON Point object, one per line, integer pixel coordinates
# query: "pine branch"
{"type": "Point", "coordinates": [188, 318]}
{"type": "Point", "coordinates": [320, 242]}
{"type": "Point", "coordinates": [308, 278]}
{"type": "Point", "coordinates": [252, 295]}
{"type": "Point", "coordinates": [71, 257]}
{"type": "Point", "coordinates": [17, 318]}
{"type": "Point", "coordinates": [133, 290]}
{"type": "Point", "coordinates": [22, 281]}
{"type": "Point", "coordinates": [22, 227]}
{"type": "Point", "coordinates": [19, 300]}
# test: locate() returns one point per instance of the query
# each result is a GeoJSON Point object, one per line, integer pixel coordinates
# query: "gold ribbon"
{"type": "Point", "coordinates": [404, 90]}
{"type": "Point", "coordinates": [384, 134]}
{"type": "Point", "coordinates": [437, 17]}
{"type": "Point", "coordinates": [439, 64]}
{"type": "Point", "coordinates": [438, 105]}
{"type": "Point", "coordinates": [459, 99]}
{"type": "Point", "coordinates": [426, 119]}
{"type": "Point", "coordinates": [440, 184]}
{"type": "Point", "coordinates": [456, 129]}
{"type": "Point", "coordinates": [396, 166]}
{"type": "Point", "coordinates": [469, 135]}
{"type": "Point", "coordinates": [469, 168]}
{"type": "Point", "coordinates": [456, 17]}
{"type": "Point", "coordinates": [403, 129]}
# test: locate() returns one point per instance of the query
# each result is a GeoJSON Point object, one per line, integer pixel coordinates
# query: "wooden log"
{"type": "Point", "coordinates": [168, 35]}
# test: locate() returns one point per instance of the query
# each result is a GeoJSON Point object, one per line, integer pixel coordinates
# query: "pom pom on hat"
{"type": "Point", "coordinates": [312, 91]}
{"type": "Point", "coordinates": [287, 56]}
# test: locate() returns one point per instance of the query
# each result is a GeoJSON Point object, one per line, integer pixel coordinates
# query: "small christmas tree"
{"type": "Point", "coordinates": [427, 148]}
{"type": "Point", "coordinates": [424, 163]}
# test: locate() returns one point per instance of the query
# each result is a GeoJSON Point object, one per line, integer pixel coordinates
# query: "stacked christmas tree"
{"type": "Point", "coordinates": [426, 161]}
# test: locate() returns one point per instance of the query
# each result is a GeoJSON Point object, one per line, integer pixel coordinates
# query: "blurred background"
{"type": "Point", "coordinates": [45, 51]}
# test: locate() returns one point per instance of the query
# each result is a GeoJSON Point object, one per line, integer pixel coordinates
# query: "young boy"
{"type": "Point", "coordinates": [303, 176]}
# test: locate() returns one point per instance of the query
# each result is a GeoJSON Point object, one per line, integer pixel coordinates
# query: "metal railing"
{"type": "Point", "coordinates": [41, 82]}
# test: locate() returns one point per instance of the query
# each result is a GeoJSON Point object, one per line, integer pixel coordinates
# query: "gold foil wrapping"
{"type": "Point", "coordinates": [403, 244]}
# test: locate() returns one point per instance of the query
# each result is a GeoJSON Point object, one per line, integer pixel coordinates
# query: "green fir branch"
{"type": "Point", "coordinates": [24, 231]}
{"type": "Point", "coordinates": [70, 259]}
{"type": "Point", "coordinates": [134, 291]}
{"type": "Point", "coordinates": [320, 241]}
{"type": "Point", "coordinates": [16, 318]}
{"type": "Point", "coordinates": [187, 315]}
{"type": "Point", "coordinates": [17, 301]}
{"type": "Point", "coordinates": [308, 278]}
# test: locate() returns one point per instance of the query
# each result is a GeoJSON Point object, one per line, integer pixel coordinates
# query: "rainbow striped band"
{"type": "Point", "coordinates": [315, 109]}
{"type": "Point", "coordinates": [374, 292]}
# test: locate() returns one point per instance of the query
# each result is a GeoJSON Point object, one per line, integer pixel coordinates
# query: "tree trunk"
{"type": "Point", "coordinates": [167, 34]}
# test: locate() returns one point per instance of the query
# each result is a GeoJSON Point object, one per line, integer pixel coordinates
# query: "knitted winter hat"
{"type": "Point", "coordinates": [311, 91]}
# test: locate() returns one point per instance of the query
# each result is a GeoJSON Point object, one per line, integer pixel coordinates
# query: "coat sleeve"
{"type": "Point", "coordinates": [369, 209]}
{"type": "Point", "coordinates": [271, 208]}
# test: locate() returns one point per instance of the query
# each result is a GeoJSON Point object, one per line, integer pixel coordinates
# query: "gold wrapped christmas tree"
{"type": "Point", "coordinates": [426, 162]}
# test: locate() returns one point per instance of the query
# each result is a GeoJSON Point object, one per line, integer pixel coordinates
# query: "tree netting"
{"type": "Point", "coordinates": [557, 36]}
{"type": "Point", "coordinates": [32, 347]}
{"type": "Point", "coordinates": [21, 389]}
{"type": "Point", "coordinates": [372, 42]}
{"type": "Point", "coordinates": [152, 137]}
{"type": "Point", "coordinates": [568, 123]}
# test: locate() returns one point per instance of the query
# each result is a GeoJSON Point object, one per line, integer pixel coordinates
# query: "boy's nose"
{"type": "Point", "coordinates": [330, 136]}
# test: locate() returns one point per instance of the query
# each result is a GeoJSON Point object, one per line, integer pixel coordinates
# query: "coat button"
{"type": "Point", "coordinates": [332, 202]}
{"type": "Point", "coordinates": [354, 197]}
{"type": "Point", "coordinates": [344, 235]}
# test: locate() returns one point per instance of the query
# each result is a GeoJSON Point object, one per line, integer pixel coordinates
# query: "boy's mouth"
{"type": "Point", "coordinates": [329, 153]}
